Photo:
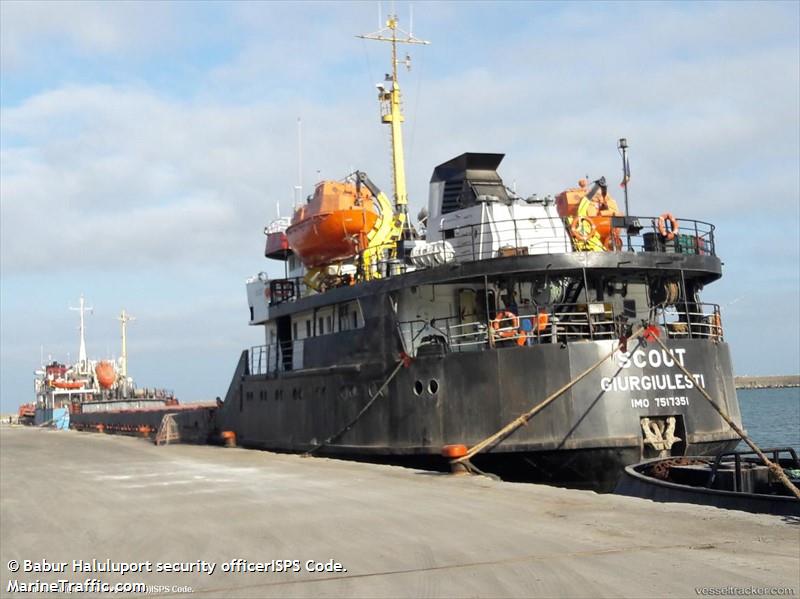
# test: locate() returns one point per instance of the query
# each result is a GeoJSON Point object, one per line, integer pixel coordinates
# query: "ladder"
{"type": "Point", "coordinates": [168, 430]}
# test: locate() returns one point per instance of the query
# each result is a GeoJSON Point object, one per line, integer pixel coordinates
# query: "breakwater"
{"type": "Point", "coordinates": [767, 382]}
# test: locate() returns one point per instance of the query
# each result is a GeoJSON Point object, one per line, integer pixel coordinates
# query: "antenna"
{"type": "Point", "coordinates": [298, 196]}
{"type": "Point", "coordinates": [391, 109]}
{"type": "Point", "coordinates": [622, 146]}
{"type": "Point", "coordinates": [411, 19]}
{"type": "Point", "coordinates": [82, 362]}
{"type": "Point", "coordinates": [124, 318]}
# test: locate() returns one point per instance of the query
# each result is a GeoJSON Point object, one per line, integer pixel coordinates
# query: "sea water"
{"type": "Point", "coordinates": [771, 417]}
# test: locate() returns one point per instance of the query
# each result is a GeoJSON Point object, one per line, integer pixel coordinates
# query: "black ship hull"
{"type": "Point", "coordinates": [584, 438]}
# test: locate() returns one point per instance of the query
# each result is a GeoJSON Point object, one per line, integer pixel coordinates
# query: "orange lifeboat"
{"type": "Point", "coordinates": [62, 384]}
{"type": "Point", "coordinates": [333, 226]}
{"type": "Point", "coordinates": [105, 374]}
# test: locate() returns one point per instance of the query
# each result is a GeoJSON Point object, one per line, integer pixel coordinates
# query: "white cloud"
{"type": "Point", "coordinates": [85, 27]}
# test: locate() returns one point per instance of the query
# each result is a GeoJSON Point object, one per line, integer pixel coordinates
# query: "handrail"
{"type": "Point", "coordinates": [564, 322]}
{"type": "Point", "coordinates": [269, 359]}
{"type": "Point", "coordinates": [737, 460]}
{"type": "Point", "coordinates": [548, 235]}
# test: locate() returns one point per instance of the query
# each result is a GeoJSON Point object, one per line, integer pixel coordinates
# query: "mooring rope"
{"type": "Point", "coordinates": [773, 467]}
{"type": "Point", "coordinates": [404, 361]}
{"type": "Point", "coordinates": [523, 419]}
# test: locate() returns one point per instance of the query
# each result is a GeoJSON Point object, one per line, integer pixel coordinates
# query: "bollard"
{"type": "Point", "coordinates": [452, 452]}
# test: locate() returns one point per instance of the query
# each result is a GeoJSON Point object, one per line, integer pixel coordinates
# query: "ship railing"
{"type": "Point", "coordinates": [287, 289]}
{"type": "Point", "coordinates": [272, 358]}
{"type": "Point", "coordinates": [467, 336]}
{"type": "Point", "coordinates": [692, 320]}
{"type": "Point", "coordinates": [531, 325]}
{"type": "Point", "coordinates": [520, 237]}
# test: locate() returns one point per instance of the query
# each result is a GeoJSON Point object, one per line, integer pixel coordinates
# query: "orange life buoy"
{"type": "Point", "coordinates": [542, 320]}
{"type": "Point", "coordinates": [507, 332]}
{"type": "Point", "coordinates": [577, 230]}
{"type": "Point", "coordinates": [668, 234]}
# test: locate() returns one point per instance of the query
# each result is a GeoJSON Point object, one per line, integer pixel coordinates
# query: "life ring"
{"type": "Point", "coordinates": [577, 230]}
{"type": "Point", "coordinates": [507, 332]}
{"type": "Point", "coordinates": [668, 234]}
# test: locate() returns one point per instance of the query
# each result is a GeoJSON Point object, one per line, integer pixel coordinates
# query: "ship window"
{"type": "Point", "coordinates": [321, 326]}
{"type": "Point", "coordinates": [329, 323]}
{"type": "Point", "coordinates": [308, 328]}
{"type": "Point", "coordinates": [355, 320]}
{"type": "Point", "coordinates": [343, 322]}
{"type": "Point", "coordinates": [294, 330]}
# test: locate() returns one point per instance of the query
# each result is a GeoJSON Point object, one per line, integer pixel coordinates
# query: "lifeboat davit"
{"type": "Point", "coordinates": [105, 374]}
{"type": "Point", "coordinates": [333, 226]}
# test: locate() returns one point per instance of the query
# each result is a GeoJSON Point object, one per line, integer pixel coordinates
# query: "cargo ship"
{"type": "Point", "coordinates": [98, 395]}
{"type": "Point", "coordinates": [386, 340]}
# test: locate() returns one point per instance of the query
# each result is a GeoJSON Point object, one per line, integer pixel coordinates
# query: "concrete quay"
{"type": "Point", "coordinates": [83, 496]}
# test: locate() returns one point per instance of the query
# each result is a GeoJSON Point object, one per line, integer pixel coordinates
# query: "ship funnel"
{"type": "Point", "coordinates": [465, 181]}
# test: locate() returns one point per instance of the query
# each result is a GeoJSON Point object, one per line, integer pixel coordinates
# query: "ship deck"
{"type": "Point", "coordinates": [399, 533]}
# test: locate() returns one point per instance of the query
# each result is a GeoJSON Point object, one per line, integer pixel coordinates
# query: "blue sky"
{"type": "Point", "coordinates": [143, 147]}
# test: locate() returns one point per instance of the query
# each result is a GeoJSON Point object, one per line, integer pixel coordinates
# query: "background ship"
{"type": "Point", "coordinates": [66, 391]}
{"type": "Point", "coordinates": [385, 341]}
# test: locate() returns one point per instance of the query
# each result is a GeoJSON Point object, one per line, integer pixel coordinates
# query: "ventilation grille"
{"type": "Point", "coordinates": [450, 198]}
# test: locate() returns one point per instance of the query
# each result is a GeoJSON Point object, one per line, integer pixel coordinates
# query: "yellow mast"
{"type": "Point", "coordinates": [391, 108]}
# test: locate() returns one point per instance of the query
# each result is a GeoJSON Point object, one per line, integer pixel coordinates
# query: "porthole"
{"type": "Point", "coordinates": [418, 387]}
{"type": "Point", "coordinates": [433, 386]}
